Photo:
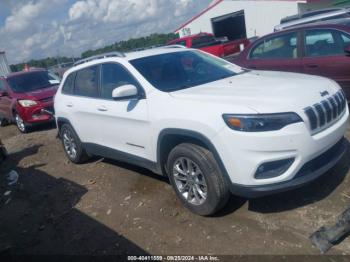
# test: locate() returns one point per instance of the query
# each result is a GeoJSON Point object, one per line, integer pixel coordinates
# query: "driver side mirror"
{"type": "Point", "coordinates": [347, 50]}
{"type": "Point", "coordinates": [125, 92]}
{"type": "Point", "coordinates": [3, 93]}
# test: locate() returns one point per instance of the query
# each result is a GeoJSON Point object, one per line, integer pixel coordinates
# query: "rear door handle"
{"type": "Point", "coordinates": [312, 66]}
{"type": "Point", "coordinates": [102, 109]}
{"type": "Point", "coordinates": [69, 105]}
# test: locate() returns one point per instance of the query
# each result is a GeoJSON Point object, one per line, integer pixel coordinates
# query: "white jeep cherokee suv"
{"type": "Point", "coordinates": [213, 128]}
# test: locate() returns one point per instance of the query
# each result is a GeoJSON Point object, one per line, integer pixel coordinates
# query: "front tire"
{"type": "Point", "coordinates": [21, 125]}
{"type": "Point", "coordinates": [72, 145]}
{"type": "Point", "coordinates": [197, 179]}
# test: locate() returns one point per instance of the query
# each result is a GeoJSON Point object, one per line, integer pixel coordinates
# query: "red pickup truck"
{"type": "Point", "coordinates": [208, 43]}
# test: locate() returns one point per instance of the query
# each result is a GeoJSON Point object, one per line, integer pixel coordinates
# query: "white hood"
{"type": "Point", "coordinates": [263, 91]}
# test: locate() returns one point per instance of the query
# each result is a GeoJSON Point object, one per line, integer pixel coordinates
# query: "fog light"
{"type": "Point", "coordinates": [273, 169]}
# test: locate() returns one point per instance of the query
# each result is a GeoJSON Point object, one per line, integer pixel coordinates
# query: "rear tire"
{"type": "Point", "coordinates": [197, 179]}
{"type": "Point", "coordinates": [72, 145]}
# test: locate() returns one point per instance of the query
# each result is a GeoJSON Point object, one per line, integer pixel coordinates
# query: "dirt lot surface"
{"type": "Point", "coordinates": [106, 207]}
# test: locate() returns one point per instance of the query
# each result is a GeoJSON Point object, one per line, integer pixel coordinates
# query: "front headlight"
{"type": "Point", "coordinates": [260, 122]}
{"type": "Point", "coordinates": [27, 103]}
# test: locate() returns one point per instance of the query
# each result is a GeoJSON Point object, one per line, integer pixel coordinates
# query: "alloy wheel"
{"type": "Point", "coordinates": [190, 181]}
{"type": "Point", "coordinates": [69, 144]}
{"type": "Point", "coordinates": [20, 123]}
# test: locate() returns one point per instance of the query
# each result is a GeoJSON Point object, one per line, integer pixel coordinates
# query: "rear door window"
{"type": "Point", "coordinates": [86, 82]}
{"type": "Point", "coordinates": [68, 86]}
{"type": "Point", "coordinates": [345, 39]}
{"type": "Point", "coordinates": [323, 42]}
{"type": "Point", "coordinates": [279, 47]}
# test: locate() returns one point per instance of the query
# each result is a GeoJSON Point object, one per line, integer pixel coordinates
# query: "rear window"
{"type": "Point", "coordinates": [278, 47]}
{"type": "Point", "coordinates": [30, 82]}
{"type": "Point", "coordinates": [203, 41]}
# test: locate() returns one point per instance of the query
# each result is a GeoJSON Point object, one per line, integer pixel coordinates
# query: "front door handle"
{"type": "Point", "coordinates": [102, 109]}
{"type": "Point", "coordinates": [69, 105]}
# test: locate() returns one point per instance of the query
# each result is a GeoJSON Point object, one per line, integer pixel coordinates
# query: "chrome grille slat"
{"type": "Point", "coordinates": [343, 101]}
{"type": "Point", "coordinates": [321, 115]}
{"type": "Point", "coordinates": [311, 114]}
{"type": "Point", "coordinates": [338, 104]}
{"type": "Point", "coordinates": [328, 110]}
{"type": "Point", "coordinates": [334, 107]}
{"type": "Point", "coordinates": [325, 112]}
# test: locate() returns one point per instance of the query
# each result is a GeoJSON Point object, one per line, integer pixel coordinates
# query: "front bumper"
{"type": "Point", "coordinates": [35, 114]}
{"type": "Point", "coordinates": [243, 153]}
{"type": "Point", "coordinates": [308, 173]}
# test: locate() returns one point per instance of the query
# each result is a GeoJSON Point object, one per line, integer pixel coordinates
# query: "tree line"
{"type": "Point", "coordinates": [122, 46]}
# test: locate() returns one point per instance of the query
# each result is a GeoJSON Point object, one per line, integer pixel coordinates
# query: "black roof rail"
{"type": "Point", "coordinates": [101, 56]}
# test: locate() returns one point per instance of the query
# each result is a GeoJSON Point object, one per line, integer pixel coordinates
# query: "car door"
{"type": "Point", "coordinates": [278, 52]}
{"type": "Point", "coordinates": [81, 103]}
{"type": "Point", "coordinates": [122, 125]}
{"type": "Point", "coordinates": [5, 101]}
{"type": "Point", "coordinates": [324, 55]}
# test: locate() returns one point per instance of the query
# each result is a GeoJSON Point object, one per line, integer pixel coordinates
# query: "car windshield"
{"type": "Point", "coordinates": [179, 70]}
{"type": "Point", "coordinates": [30, 81]}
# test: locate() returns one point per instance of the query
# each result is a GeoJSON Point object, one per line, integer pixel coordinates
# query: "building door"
{"type": "Point", "coordinates": [232, 26]}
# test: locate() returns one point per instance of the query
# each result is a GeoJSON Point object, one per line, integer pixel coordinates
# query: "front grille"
{"type": "Point", "coordinates": [325, 112]}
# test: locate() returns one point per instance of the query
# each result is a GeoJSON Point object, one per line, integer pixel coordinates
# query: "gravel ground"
{"type": "Point", "coordinates": [107, 207]}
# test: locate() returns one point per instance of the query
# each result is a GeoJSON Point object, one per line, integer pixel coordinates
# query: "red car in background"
{"type": "Point", "coordinates": [321, 48]}
{"type": "Point", "coordinates": [26, 98]}
{"type": "Point", "coordinates": [208, 43]}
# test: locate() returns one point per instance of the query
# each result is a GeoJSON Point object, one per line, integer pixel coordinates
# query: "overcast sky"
{"type": "Point", "coordinates": [42, 28]}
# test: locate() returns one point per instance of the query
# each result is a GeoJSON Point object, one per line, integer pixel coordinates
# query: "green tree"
{"type": "Point", "coordinates": [122, 46]}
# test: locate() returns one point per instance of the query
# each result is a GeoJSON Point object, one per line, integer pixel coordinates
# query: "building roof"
{"type": "Point", "coordinates": [200, 14]}
{"type": "Point", "coordinates": [217, 2]}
